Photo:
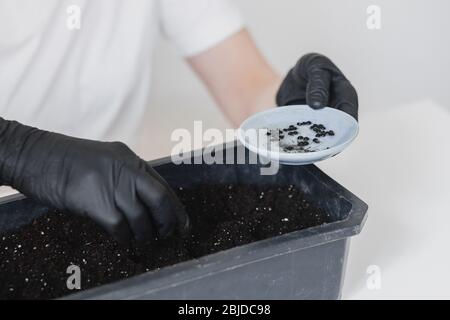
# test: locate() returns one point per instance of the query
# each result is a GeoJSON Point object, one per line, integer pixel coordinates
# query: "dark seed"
{"type": "Point", "coordinates": [315, 140]}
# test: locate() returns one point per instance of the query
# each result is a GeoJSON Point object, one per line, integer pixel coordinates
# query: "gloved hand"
{"type": "Point", "coordinates": [316, 81]}
{"type": "Point", "coordinates": [105, 181]}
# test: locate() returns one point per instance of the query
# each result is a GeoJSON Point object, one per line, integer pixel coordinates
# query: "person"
{"type": "Point", "coordinates": [87, 86]}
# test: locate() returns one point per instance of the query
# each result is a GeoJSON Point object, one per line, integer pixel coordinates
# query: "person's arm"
{"type": "Point", "coordinates": [238, 77]}
{"type": "Point", "coordinates": [242, 82]}
{"type": "Point", "coordinates": [105, 181]}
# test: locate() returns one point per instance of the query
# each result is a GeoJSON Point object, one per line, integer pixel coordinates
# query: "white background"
{"type": "Point", "coordinates": [407, 61]}
{"type": "Point", "coordinates": [400, 164]}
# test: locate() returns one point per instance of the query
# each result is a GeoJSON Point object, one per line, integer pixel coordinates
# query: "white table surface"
{"type": "Point", "coordinates": [400, 166]}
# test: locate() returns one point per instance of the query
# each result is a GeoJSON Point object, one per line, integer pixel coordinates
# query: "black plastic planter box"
{"type": "Point", "coordinates": [306, 264]}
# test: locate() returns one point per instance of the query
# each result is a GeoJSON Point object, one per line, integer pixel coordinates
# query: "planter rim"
{"type": "Point", "coordinates": [226, 260]}
{"type": "Point", "coordinates": [235, 257]}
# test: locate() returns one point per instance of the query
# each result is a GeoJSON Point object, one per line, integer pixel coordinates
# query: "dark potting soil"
{"type": "Point", "coordinates": [34, 259]}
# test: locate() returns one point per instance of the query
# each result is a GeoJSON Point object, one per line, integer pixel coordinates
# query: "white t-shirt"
{"type": "Point", "coordinates": [83, 67]}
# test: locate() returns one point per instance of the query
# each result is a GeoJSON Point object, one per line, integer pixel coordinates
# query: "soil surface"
{"type": "Point", "coordinates": [34, 259]}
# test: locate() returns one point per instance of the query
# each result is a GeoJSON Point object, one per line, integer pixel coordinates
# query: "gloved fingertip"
{"type": "Point", "coordinates": [317, 105]}
{"type": "Point", "coordinates": [183, 229]}
{"type": "Point", "coordinates": [165, 231]}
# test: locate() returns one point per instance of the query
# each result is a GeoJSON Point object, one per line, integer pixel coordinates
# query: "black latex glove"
{"type": "Point", "coordinates": [316, 81]}
{"type": "Point", "coordinates": [105, 181]}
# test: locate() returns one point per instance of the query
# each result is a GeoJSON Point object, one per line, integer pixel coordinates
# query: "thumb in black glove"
{"type": "Point", "coordinates": [316, 81]}
{"type": "Point", "coordinates": [105, 181]}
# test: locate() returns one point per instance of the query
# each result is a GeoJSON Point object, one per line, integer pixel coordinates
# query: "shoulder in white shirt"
{"type": "Point", "coordinates": [94, 82]}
